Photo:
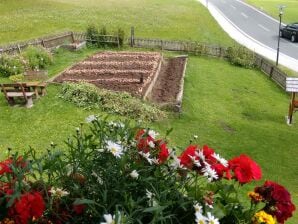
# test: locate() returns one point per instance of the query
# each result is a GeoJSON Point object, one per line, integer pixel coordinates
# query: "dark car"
{"type": "Point", "coordinates": [290, 31]}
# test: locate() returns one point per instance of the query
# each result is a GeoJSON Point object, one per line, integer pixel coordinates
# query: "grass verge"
{"type": "Point", "coordinates": [272, 8]}
{"type": "Point", "coordinates": [168, 19]}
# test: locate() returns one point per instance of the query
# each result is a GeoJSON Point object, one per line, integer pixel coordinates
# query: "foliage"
{"type": "Point", "coordinates": [17, 78]}
{"type": "Point", "coordinates": [91, 33]}
{"type": "Point", "coordinates": [37, 57]}
{"type": "Point", "coordinates": [241, 56]}
{"type": "Point", "coordinates": [121, 35]}
{"type": "Point", "coordinates": [121, 174]}
{"type": "Point", "coordinates": [88, 96]}
{"type": "Point", "coordinates": [99, 37]}
{"type": "Point", "coordinates": [11, 65]}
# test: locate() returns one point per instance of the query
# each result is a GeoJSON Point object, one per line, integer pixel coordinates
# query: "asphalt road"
{"type": "Point", "coordinates": [255, 24]}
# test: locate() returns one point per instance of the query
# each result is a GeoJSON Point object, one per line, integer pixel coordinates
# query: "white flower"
{"type": "Point", "coordinates": [195, 161]}
{"type": "Point", "coordinates": [151, 144]}
{"type": "Point", "coordinates": [195, 136]}
{"type": "Point", "coordinates": [134, 174]}
{"type": "Point", "coordinates": [223, 161]}
{"type": "Point", "coordinates": [58, 192]}
{"type": "Point", "coordinates": [91, 118]}
{"type": "Point", "coordinates": [176, 163]}
{"type": "Point", "coordinates": [209, 172]}
{"type": "Point", "coordinates": [154, 161]}
{"type": "Point", "coordinates": [153, 134]}
{"type": "Point", "coordinates": [200, 219]}
{"type": "Point", "coordinates": [109, 219]}
{"type": "Point", "coordinates": [211, 219]}
{"type": "Point", "coordinates": [201, 155]}
{"type": "Point", "coordinates": [98, 178]}
{"type": "Point", "coordinates": [149, 194]}
{"type": "Point", "coordinates": [198, 208]}
{"type": "Point", "coordinates": [115, 149]}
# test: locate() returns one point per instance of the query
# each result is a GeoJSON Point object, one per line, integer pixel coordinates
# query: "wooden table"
{"type": "Point", "coordinates": [35, 86]}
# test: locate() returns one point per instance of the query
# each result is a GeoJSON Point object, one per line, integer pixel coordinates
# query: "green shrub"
{"type": "Point", "coordinates": [88, 96]}
{"type": "Point", "coordinates": [121, 35]}
{"type": "Point", "coordinates": [97, 37]}
{"type": "Point", "coordinates": [241, 56]}
{"type": "Point", "coordinates": [11, 65]}
{"type": "Point", "coordinates": [91, 34]}
{"type": "Point", "coordinates": [37, 57]}
{"type": "Point", "coordinates": [17, 78]}
{"type": "Point", "coordinates": [82, 94]}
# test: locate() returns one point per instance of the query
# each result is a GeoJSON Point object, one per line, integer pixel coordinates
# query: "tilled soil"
{"type": "Point", "coordinates": [167, 85]}
{"type": "Point", "coordinates": [123, 71]}
{"type": "Point", "coordinates": [118, 71]}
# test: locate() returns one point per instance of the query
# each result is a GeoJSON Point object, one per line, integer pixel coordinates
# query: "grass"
{"type": "Point", "coordinates": [238, 111]}
{"type": "Point", "coordinates": [271, 7]}
{"type": "Point", "coordinates": [169, 19]}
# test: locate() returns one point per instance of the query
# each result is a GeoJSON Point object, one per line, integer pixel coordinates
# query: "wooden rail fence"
{"type": "Point", "coordinates": [266, 66]}
{"type": "Point", "coordinates": [196, 48]}
{"type": "Point", "coordinates": [47, 42]}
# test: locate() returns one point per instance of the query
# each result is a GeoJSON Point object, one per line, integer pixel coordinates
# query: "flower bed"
{"type": "Point", "coordinates": [113, 173]}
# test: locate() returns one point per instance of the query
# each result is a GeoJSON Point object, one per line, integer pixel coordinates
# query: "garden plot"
{"type": "Point", "coordinates": [132, 72]}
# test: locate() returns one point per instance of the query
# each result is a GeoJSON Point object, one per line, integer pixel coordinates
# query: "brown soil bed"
{"type": "Point", "coordinates": [118, 71]}
{"type": "Point", "coordinates": [167, 86]}
{"type": "Point", "coordinates": [123, 71]}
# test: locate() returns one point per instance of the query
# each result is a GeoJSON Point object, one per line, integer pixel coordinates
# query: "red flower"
{"type": "Point", "coordinates": [5, 166]}
{"type": "Point", "coordinates": [245, 169]}
{"type": "Point", "coordinates": [143, 141]}
{"type": "Point", "coordinates": [79, 209]}
{"type": "Point", "coordinates": [185, 157]}
{"type": "Point", "coordinates": [277, 196]}
{"type": "Point", "coordinates": [28, 206]}
{"type": "Point", "coordinates": [163, 153]}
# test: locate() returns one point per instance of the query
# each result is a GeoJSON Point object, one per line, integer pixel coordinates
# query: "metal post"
{"type": "Point", "coordinates": [278, 42]}
{"type": "Point", "coordinates": [277, 56]}
{"type": "Point", "coordinates": [132, 36]}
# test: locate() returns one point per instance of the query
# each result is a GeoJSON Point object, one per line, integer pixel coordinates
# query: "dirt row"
{"type": "Point", "coordinates": [167, 85]}
{"type": "Point", "coordinates": [119, 71]}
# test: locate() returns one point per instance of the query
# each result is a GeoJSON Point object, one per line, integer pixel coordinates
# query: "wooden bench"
{"type": "Point", "coordinates": [17, 91]}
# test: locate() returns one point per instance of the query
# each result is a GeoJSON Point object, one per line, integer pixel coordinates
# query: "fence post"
{"type": "Point", "coordinates": [72, 37]}
{"type": "Point", "coordinates": [271, 71]}
{"type": "Point", "coordinates": [19, 49]}
{"type": "Point", "coordinates": [132, 36]}
{"type": "Point", "coordinates": [42, 43]}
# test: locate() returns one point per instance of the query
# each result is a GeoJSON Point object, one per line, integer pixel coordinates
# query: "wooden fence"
{"type": "Point", "coordinates": [262, 63]}
{"type": "Point", "coordinates": [184, 46]}
{"type": "Point", "coordinates": [47, 42]}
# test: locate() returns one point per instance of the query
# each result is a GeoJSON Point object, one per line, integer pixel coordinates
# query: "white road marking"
{"type": "Point", "coordinates": [233, 7]}
{"type": "Point", "coordinates": [263, 27]}
{"type": "Point", "coordinates": [244, 15]}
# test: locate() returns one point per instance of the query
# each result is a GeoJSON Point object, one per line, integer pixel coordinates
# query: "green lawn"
{"type": "Point", "coordinates": [237, 111]}
{"type": "Point", "coordinates": [169, 19]}
{"type": "Point", "coordinates": [271, 7]}
{"type": "Point", "coordinates": [231, 109]}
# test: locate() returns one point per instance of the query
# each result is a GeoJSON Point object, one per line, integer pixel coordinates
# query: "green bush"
{"type": "Point", "coordinates": [91, 33]}
{"type": "Point", "coordinates": [241, 56]}
{"type": "Point", "coordinates": [88, 96]}
{"type": "Point", "coordinates": [17, 78]}
{"type": "Point", "coordinates": [121, 35]}
{"type": "Point", "coordinates": [82, 94]}
{"type": "Point", "coordinates": [11, 65]}
{"type": "Point", "coordinates": [96, 37]}
{"type": "Point", "coordinates": [37, 57]}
